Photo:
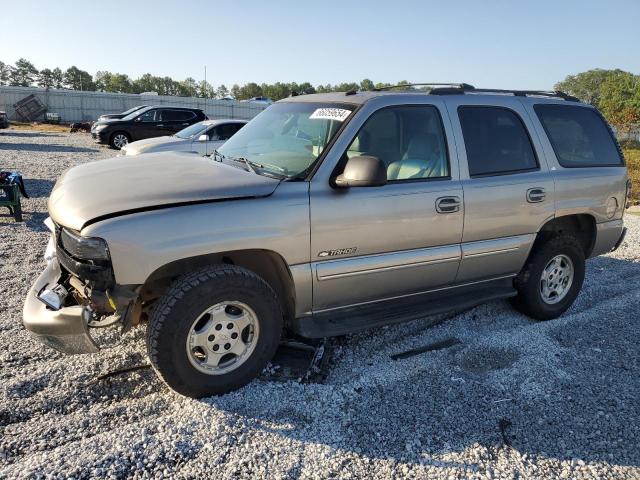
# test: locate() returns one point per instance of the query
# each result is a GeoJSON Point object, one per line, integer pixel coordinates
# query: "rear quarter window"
{"type": "Point", "coordinates": [579, 136]}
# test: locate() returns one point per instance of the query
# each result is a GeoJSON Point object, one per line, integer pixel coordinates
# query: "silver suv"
{"type": "Point", "coordinates": [327, 214]}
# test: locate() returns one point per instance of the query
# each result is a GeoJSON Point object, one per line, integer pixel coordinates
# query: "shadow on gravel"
{"type": "Point", "coordinates": [33, 221]}
{"type": "Point", "coordinates": [491, 399]}
{"type": "Point", "coordinates": [38, 187]}
{"type": "Point", "coordinates": [13, 133]}
{"type": "Point", "coordinates": [40, 147]}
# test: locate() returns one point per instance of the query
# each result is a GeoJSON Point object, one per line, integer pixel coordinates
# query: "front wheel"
{"type": "Point", "coordinates": [119, 140]}
{"type": "Point", "coordinates": [551, 280]}
{"type": "Point", "coordinates": [214, 331]}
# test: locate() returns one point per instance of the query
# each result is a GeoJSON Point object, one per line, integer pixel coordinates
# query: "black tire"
{"type": "Point", "coordinates": [186, 299]}
{"type": "Point", "coordinates": [17, 212]}
{"type": "Point", "coordinates": [112, 139]}
{"type": "Point", "coordinates": [529, 299]}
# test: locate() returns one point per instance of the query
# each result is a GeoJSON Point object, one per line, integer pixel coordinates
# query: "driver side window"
{"type": "Point", "coordinates": [409, 140]}
{"type": "Point", "coordinates": [149, 116]}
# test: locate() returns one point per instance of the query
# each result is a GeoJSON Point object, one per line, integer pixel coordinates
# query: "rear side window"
{"type": "Point", "coordinates": [579, 136]}
{"type": "Point", "coordinates": [496, 141]}
{"type": "Point", "coordinates": [177, 115]}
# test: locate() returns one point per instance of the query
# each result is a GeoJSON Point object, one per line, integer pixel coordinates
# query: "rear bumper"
{"type": "Point", "coordinates": [609, 236]}
{"type": "Point", "coordinates": [65, 330]}
{"type": "Point", "coordinates": [620, 240]}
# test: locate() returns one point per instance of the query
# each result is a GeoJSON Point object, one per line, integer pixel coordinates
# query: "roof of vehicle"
{"type": "Point", "coordinates": [218, 121]}
{"type": "Point", "coordinates": [171, 107]}
{"type": "Point", "coordinates": [360, 97]}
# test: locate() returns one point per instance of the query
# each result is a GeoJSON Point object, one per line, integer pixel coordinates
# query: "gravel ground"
{"type": "Point", "coordinates": [513, 399]}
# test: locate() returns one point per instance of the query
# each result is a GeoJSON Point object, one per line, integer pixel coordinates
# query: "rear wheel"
{"type": "Point", "coordinates": [119, 140]}
{"type": "Point", "coordinates": [551, 279]}
{"type": "Point", "coordinates": [214, 331]}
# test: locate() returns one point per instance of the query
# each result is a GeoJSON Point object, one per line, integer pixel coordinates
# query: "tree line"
{"type": "Point", "coordinates": [615, 93]}
{"type": "Point", "coordinates": [25, 74]}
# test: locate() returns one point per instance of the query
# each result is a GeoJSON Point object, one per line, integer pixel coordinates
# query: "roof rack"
{"type": "Point", "coordinates": [458, 86]}
{"type": "Point", "coordinates": [464, 88]}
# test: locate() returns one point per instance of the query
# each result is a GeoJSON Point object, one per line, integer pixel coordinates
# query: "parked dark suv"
{"type": "Point", "coordinates": [146, 123]}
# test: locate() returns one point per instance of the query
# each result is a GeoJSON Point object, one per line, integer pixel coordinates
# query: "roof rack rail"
{"type": "Point", "coordinates": [458, 86]}
{"type": "Point", "coordinates": [452, 90]}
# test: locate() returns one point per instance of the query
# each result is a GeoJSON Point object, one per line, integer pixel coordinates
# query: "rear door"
{"type": "Point", "coordinates": [508, 188]}
{"type": "Point", "coordinates": [175, 120]}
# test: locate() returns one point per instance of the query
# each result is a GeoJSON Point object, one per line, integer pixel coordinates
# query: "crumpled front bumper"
{"type": "Point", "coordinates": [65, 330]}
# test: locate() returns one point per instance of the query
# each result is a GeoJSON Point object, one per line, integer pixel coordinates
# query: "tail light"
{"type": "Point", "coordinates": [628, 194]}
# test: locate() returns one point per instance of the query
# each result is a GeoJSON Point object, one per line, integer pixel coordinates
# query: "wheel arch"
{"type": "Point", "coordinates": [581, 226]}
{"type": "Point", "coordinates": [116, 132]}
{"type": "Point", "coordinates": [269, 265]}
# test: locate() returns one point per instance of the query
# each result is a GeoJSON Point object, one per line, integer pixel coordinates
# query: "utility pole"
{"type": "Point", "coordinates": [205, 80]}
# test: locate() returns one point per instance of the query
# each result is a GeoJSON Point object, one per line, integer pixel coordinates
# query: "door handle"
{"type": "Point", "coordinates": [160, 125]}
{"type": "Point", "coordinates": [448, 204]}
{"type": "Point", "coordinates": [536, 195]}
{"type": "Point", "coordinates": [185, 124]}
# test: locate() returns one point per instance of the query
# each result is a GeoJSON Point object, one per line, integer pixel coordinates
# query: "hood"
{"type": "Point", "coordinates": [111, 116]}
{"type": "Point", "coordinates": [122, 185]}
{"type": "Point", "coordinates": [134, 148]}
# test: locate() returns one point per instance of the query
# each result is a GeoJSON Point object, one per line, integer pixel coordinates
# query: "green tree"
{"type": "Point", "coordinates": [586, 85]}
{"type": "Point", "coordinates": [45, 78]}
{"type": "Point", "coordinates": [222, 91]}
{"type": "Point", "coordinates": [188, 87]}
{"type": "Point", "coordinates": [206, 90]}
{"type": "Point", "coordinates": [366, 84]}
{"type": "Point", "coordinates": [619, 99]}
{"type": "Point", "coordinates": [77, 79]}
{"type": "Point", "coordinates": [249, 90]}
{"type": "Point", "coordinates": [23, 74]}
{"type": "Point", "coordinates": [235, 91]}
{"type": "Point", "coordinates": [57, 78]}
{"type": "Point", "coordinates": [5, 73]}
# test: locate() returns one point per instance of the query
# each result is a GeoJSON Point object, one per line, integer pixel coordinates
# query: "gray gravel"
{"type": "Point", "coordinates": [514, 399]}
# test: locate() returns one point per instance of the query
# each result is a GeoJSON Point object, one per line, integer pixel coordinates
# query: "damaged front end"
{"type": "Point", "coordinates": [76, 292]}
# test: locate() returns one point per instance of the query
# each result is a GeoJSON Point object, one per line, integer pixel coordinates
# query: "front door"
{"type": "Point", "coordinates": [508, 189]}
{"type": "Point", "coordinates": [377, 243]}
{"type": "Point", "coordinates": [147, 125]}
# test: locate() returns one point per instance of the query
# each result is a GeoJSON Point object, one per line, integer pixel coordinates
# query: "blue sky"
{"type": "Point", "coordinates": [492, 43]}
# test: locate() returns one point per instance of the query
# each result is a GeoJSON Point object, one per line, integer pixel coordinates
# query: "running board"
{"type": "Point", "coordinates": [361, 317]}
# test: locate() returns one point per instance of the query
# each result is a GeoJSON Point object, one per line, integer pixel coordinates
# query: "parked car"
{"type": "Point", "coordinates": [260, 100]}
{"type": "Point", "coordinates": [328, 214]}
{"type": "Point", "coordinates": [146, 123]}
{"type": "Point", "coordinates": [202, 137]}
{"type": "Point", "coordinates": [114, 116]}
{"type": "Point", "coordinates": [4, 119]}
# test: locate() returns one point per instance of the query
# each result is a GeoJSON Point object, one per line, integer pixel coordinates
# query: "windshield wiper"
{"type": "Point", "coordinates": [217, 156]}
{"type": "Point", "coordinates": [250, 165]}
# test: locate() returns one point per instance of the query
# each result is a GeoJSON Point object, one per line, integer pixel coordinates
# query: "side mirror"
{"type": "Point", "coordinates": [203, 138]}
{"type": "Point", "coordinates": [363, 171]}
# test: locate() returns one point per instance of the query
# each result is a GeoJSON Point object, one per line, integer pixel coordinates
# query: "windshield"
{"type": "Point", "coordinates": [133, 115]}
{"type": "Point", "coordinates": [193, 130]}
{"type": "Point", "coordinates": [131, 110]}
{"type": "Point", "coordinates": [287, 138]}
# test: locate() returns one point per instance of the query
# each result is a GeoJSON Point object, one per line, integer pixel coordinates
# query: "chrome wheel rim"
{"type": "Point", "coordinates": [556, 280]}
{"type": "Point", "coordinates": [222, 338]}
{"type": "Point", "coordinates": [120, 140]}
